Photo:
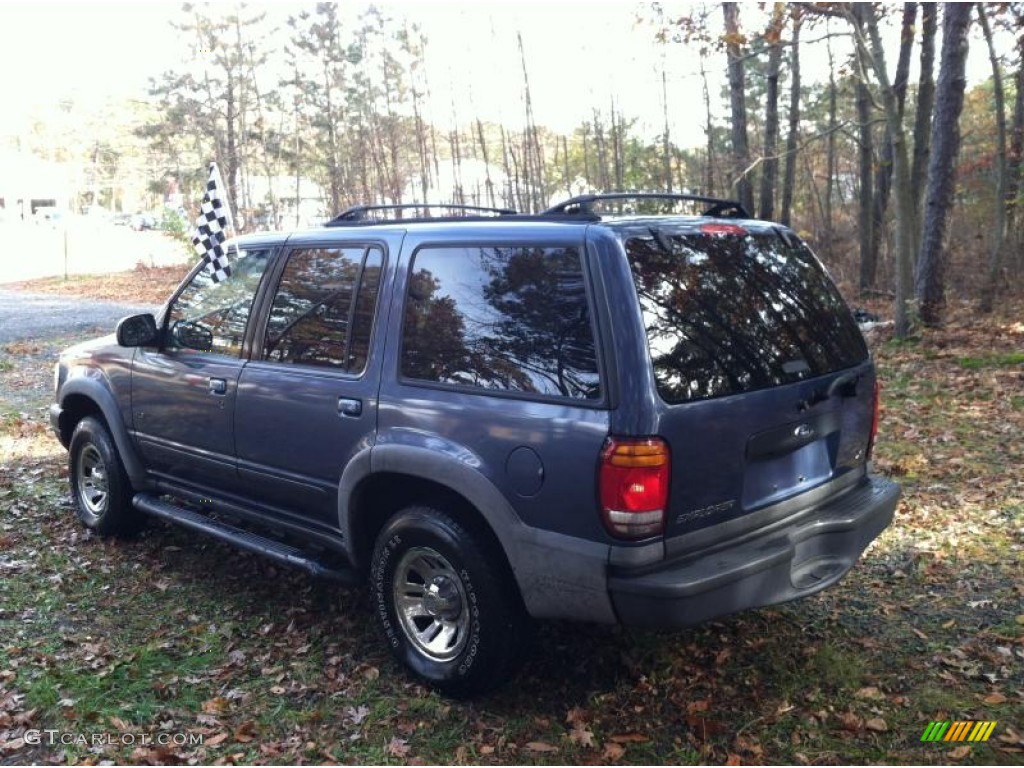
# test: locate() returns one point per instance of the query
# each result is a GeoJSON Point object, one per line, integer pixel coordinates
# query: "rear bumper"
{"type": "Point", "coordinates": [812, 553]}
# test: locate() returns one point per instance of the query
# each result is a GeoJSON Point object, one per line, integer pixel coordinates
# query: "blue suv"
{"type": "Point", "coordinates": [604, 413]}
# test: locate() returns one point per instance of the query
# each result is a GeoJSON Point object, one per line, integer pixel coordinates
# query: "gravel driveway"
{"type": "Point", "coordinates": [27, 316]}
{"type": "Point", "coordinates": [34, 328]}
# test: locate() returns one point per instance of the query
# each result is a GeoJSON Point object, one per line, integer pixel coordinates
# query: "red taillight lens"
{"type": "Point", "coordinates": [634, 486]}
{"type": "Point", "coordinates": [874, 418]}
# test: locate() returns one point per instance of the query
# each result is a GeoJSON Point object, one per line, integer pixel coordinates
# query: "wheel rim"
{"type": "Point", "coordinates": [91, 475]}
{"type": "Point", "coordinates": [430, 601]}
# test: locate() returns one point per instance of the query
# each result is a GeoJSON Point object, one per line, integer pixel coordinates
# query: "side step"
{"type": "Point", "coordinates": [238, 537]}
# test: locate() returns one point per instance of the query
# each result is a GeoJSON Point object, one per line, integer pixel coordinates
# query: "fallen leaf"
{"type": "Point", "coordinates": [734, 759]}
{"type": "Point", "coordinates": [960, 752]}
{"type": "Point", "coordinates": [995, 698]}
{"type": "Point", "coordinates": [213, 741]}
{"type": "Point", "coordinates": [582, 737]}
{"type": "Point", "coordinates": [613, 751]}
{"type": "Point", "coordinates": [540, 746]}
{"type": "Point", "coordinates": [218, 705]}
{"type": "Point", "coordinates": [246, 732]}
{"type": "Point", "coordinates": [357, 714]}
{"type": "Point", "coordinates": [626, 738]}
{"type": "Point", "coordinates": [877, 724]}
{"type": "Point", "coordinates": [576, 716]}
{"type": "Point", "coordinates": [870, 692]}
{"type": "Point", "coordinates": [398, 747]}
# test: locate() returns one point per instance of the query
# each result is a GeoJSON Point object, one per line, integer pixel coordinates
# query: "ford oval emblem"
{"type": "Point", "coordinates": [804, 430]}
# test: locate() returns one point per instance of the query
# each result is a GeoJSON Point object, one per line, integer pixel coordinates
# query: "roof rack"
{"type": "Point", "coordinates": [358, 213]}
{"type": "Point", "coordinates": [582, 204]}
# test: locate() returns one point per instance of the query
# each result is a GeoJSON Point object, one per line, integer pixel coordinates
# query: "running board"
{"type": "Point", "coordinates": [238, 537]}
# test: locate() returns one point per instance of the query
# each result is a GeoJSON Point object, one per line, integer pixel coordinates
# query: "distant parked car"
{"type": "Point", "coordinates": [141, 221]}
{"type": "Point", "coordinates": [48, 214]}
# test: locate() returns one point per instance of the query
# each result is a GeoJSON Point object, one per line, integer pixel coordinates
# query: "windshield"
{"type": "Point", "coordinates": [726, 314]}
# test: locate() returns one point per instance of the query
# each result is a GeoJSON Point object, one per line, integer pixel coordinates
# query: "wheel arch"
{"type": "Point", "coordinates": [401, 476]}
{"type": "Point", "coordinates": [86, 397]}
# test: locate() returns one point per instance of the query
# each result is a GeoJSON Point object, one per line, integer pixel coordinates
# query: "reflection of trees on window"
{"type": "Point", "coordinates": [314, 308]}
{"type": "Point", "coordinates": [501, 318]}
{"type": "Point", "coordinates": [729, 314]}
{"type": "Point", "coordinates": [220, 308]}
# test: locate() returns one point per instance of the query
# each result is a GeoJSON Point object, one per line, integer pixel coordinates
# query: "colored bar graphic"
{"type": "Point", "coordinates": [959, 730]}
{"type": "Point", "coordinates": [935, 730]}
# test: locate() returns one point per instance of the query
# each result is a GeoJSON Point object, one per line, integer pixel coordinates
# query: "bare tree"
{"type": "Point", "coordinates": [988, 291]}
{"type": "Point", "coordinates": [770, 168]}
{"type": "Point", "coordinates": [793, 137]}
{"type": "Point", "coordinates": [949, 100]}
{"type": "Point", "coordinates": [872, 52]}
{"type": "Point", "coordinates": [923, 118]}
{"type": "Point", "coordinates": [738, 102]}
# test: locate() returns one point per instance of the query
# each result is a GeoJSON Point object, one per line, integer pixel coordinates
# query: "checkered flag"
{"type": "Point", "coordinates": [209, 236]}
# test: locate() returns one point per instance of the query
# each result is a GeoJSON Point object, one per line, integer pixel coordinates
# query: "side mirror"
{"type": "Point", "coordinates": [193, 335]}
{"type": "Point", "coordinates": [137, 331]}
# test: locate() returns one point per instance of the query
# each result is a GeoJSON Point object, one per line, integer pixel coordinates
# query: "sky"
{"type": "Point", "coordinates": [579, 54]}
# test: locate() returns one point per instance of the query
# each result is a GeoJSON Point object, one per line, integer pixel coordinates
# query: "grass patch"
{"type": "Point", "coordinates": [1003, 360]}
{"type": "Point", "coordinates": [172, 633]}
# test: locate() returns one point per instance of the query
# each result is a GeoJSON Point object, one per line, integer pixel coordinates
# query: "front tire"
{"type": "Point", "coordinates": [100, 488]}
{"type": "Point", "coordinates": [448, 607]}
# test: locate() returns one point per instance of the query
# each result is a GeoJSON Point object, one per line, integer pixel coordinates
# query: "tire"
{"type": "Point", "coordinates": [100, 488]}
{"type": "Point", "coordinates": [462, 627]}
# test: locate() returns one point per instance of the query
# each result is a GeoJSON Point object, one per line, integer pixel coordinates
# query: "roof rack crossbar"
{"type": "Point", "coordinates": [582, 204]}
{"type": "Point", "coordinates": [358, 212]}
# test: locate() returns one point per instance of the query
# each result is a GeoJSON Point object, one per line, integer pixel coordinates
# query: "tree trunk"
{"type": "Point", "coordinates": [991, 287]}
{"type": "Point", "coordinates": [883, 175]}
{"type": "Point", "coordinates": [865, 221]}
{"type": "Point", "coordinates": [770, 168]}
{"type": "Point", "coordinates": [901, 164]}
{"type": "Point", "coordinates": [709, 160]}
{"type": "Point", "coordinates": [945, 144]}
{"type": "Point", "coordinates": [789, 173]}
{"type": "Point", "coordinates": [666, 143]}
{"type": "Point", "coordinates": [738, 102]}
{"type": "Point", "coordinates": [1016, 147]}
{"type": "Point", "coordinates": [923, 118]}
{"type": "Point", "coordinates": [830, 145]}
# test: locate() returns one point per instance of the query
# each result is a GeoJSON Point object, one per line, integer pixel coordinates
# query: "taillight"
{"type": "Point", "coordinates": [874, 418]}
{"type": "Point", "coordinates": [723, 229]}
{"type": "Point", "coordinates": [634, 486]}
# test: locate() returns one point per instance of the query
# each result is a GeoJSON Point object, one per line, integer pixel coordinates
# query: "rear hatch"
{"type": "Point", "coordinates": [766, 381]}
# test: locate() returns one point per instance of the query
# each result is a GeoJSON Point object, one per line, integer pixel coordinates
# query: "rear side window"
{"type": "Point", "coordinates": [726, 314]}
{"type": "Point", "coordinates": [323, 309]}
{"type": "Point", "coordinates": [513, 319]}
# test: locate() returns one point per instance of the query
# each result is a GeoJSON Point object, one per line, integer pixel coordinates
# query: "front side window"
{"type": "Point", "coordinates": [513, 319]}
{"type": "Point", "coordinates": [323, 310]}
{"type": "Point", "coordinates": [211, 316]}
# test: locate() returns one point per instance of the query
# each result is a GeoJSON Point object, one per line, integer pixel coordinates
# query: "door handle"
{"type": "Point", "coordinates": [218, 386]}
{"type": "Point", "coordinates": [349, 406]}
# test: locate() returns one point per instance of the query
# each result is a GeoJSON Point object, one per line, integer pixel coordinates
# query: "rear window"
{"type": "Point", "coordinates": [727, 314]}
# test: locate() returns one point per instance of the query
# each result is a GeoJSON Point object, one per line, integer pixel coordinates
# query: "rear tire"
{"type": "Point", "coordinates": [446, 603]}
{"type": "Point", "coordinates": [100, 488]}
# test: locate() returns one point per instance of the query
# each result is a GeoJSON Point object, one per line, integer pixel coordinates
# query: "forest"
{"type": "Point", "coordinates": [906, 188]}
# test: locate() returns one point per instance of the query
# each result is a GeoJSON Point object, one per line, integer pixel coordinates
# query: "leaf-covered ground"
{"type": "Point", "coordinates": [170, 634]}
